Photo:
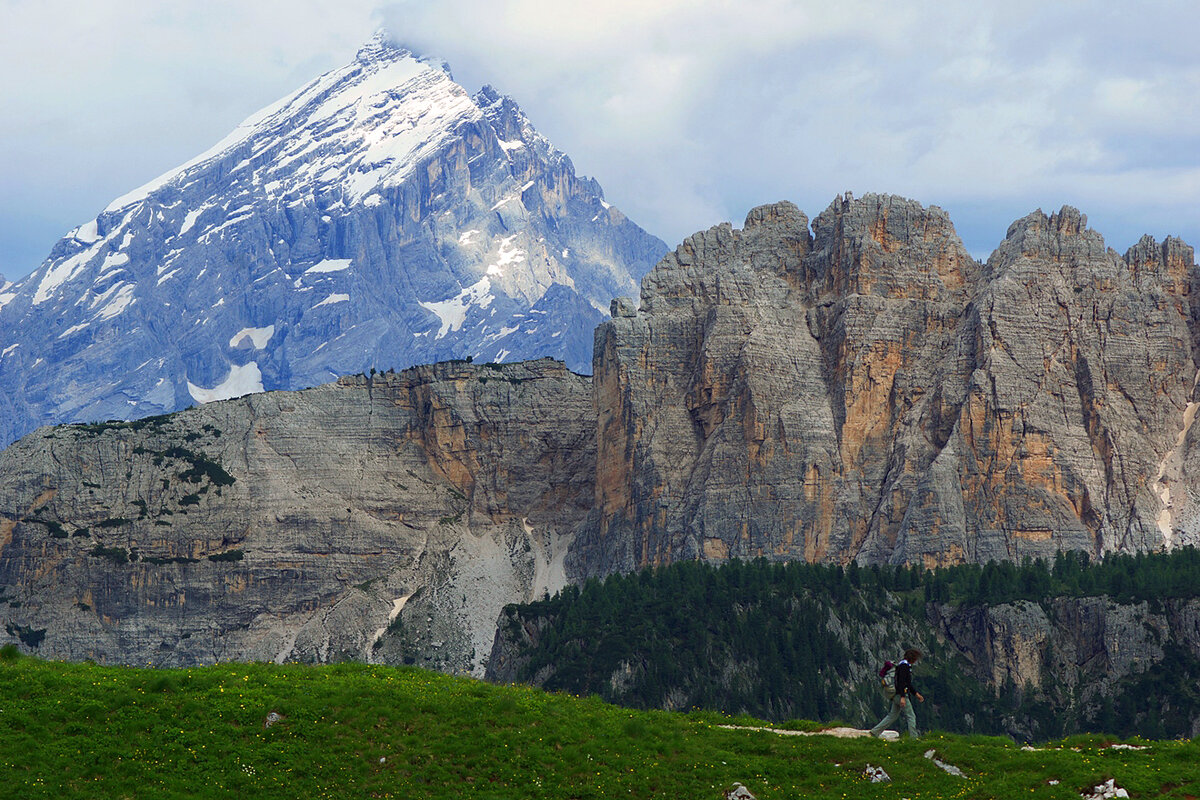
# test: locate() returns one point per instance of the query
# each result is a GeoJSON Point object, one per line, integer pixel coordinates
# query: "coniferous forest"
{"type": "Point", "coordinates": [794, 640]}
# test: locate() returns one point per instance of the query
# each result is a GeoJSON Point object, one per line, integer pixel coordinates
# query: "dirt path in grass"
{"type": "Point", "coordinates": [842, 733]}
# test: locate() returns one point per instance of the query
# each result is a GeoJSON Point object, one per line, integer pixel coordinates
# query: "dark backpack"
{"type": "Point", "coordinates": [887, 680]}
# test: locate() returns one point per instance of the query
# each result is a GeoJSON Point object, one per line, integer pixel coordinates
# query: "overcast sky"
{"type": "Point", "coordinates": [687, 112]}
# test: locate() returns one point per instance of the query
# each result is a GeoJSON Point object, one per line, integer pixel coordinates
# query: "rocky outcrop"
{"type": "Point", "coordinates": [1083, 373]}
{"type": "Point", "coordinates": [869, 392]}
{"type": "Point", "coordinates": [1085, 644]}
{"type": "Point", "coordinates": [1074, 654]}
{"type": "Point", "coordinates": [384, 517]}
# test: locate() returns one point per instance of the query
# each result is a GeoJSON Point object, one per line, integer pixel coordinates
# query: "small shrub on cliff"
{"type": "Point", "coordinates": [55, 529]}
{"type": "Point", "coordinates": [28, 636]}
{"type": "Point", "coordinates": [116, 554]}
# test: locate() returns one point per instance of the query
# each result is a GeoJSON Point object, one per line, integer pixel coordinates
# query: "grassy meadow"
{"type": "Point", "coordinates": [354, 730]}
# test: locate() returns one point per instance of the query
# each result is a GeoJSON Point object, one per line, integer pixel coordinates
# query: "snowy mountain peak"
{"type": "Point", "coordinates": [488, 96]}
{"type": "Point", "coordinates": [381, 45]}
{"type": "Point", "coordinates": [376, 112]}
{"type": "Point", "coordinates": [378, 216]}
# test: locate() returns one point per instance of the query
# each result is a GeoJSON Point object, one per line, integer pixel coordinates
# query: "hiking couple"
{"type": "Point", "coordinates": [900, 694]}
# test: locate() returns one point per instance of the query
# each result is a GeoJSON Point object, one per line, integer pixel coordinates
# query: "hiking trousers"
{"type": "Point", "coordinates": [910, 717]}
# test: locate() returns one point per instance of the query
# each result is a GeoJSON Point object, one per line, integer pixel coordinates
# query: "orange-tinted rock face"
{"type": "Point", "coordinates": [870, 392]}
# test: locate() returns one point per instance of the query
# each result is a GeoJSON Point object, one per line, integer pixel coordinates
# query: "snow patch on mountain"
{"type": "Point", "coordinates": [190, 218]}
{"type": "Point", "coordinates": [382, 80]}
{"type": "Point", "coordinates": [329, 265]}
{"type": "Point", "coordinates": [116, 300]}
{"type": "Point", "coordinates": [112, 260]}
{"type": "Point", "coordinates": [86, 233]}
{"type": "Point", "coordinates": [52, 276]}
{"type": "Point", "coordinates": [258, 337]}
{"type": "Point", "coordinates": [60, 273]}
{"type": "Point", "coordinates": [73, 329]}
{"type": "Point", "coordinates": [509, 256]}
{"type": "Point", "coordinates": [452, 312]}
{"type": "Point", "coordinates": [243, 380]}
{"type": "Point", "coordinates": [336, 297]}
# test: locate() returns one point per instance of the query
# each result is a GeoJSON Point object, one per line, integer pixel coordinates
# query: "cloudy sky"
{"type": "Point", "coordinates": [687, 112]}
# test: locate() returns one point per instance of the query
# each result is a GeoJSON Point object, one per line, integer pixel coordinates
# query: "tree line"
{"type": "Point", "coordinates": [661, 632]}
{"type": "Point", "coordinates": [789, 640]}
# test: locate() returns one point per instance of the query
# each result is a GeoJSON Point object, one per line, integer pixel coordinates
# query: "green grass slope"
{"type": "Point", "coordinates": [79, 730]}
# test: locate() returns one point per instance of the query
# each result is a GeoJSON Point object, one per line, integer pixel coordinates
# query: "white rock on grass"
{"type": "Point", "coordinates": [739, 792]}
{"type": "Point", "coordinates": [876, 775]}
{"type": "Point", "coordinates": [1106, 791]}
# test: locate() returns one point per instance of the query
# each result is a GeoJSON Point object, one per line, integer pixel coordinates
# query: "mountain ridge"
{"type": "Point", "coordinates": [861, 392]}
{"type": "Point", "coordinates": [379, 216]}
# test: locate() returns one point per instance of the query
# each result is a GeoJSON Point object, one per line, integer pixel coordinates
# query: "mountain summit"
{"type": "Point", "coordinates": [378, 217]}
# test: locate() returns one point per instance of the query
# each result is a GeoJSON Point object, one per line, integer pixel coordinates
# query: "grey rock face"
{"type": "Point", "coordinates": [870, 392]}
{"type": "Point", "coordinates": [388, 517]}
{"type": "Point", "coordinates": [1078, 409]}
{"type": "Point", "coordinates": [1076, 654]}
{"type": "Point", "coordinates": [378, 217]}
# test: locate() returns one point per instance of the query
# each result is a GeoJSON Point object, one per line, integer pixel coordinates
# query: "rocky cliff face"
{"type": "Point", "coordinates": [1080, 646]}
{"type": "Point", "coordinates": [860, 389]}
{"type": "Point", "coordinates": [381, 216]}
{"type": "Point", "coordinates": [386, 517]}
{"type": "Point", "coordinates": [869, 392]}
{"type": "Point", "coordinates": [1074, 654]}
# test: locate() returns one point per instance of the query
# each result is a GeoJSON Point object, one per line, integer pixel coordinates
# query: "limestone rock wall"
{"type": "Point", "coordinates": [867, 391]}
{"type": "Point", "coordinates": [386, 517]}
{"type": "Point", "coordinates": [1078, 405]}
{"type": "Point", "coordinates": [1073, 651]}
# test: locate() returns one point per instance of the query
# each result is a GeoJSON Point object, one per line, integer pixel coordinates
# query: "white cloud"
{"type": "Point", "coordinates": [102, 96]}
{"type": "Point", "coordinates": [688, 111]}
{"type": "Point", "coordinates": [691, 112]}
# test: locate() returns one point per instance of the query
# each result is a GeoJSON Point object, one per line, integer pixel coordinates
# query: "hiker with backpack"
{"type": "Point", "coordinates": [900, 693]}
